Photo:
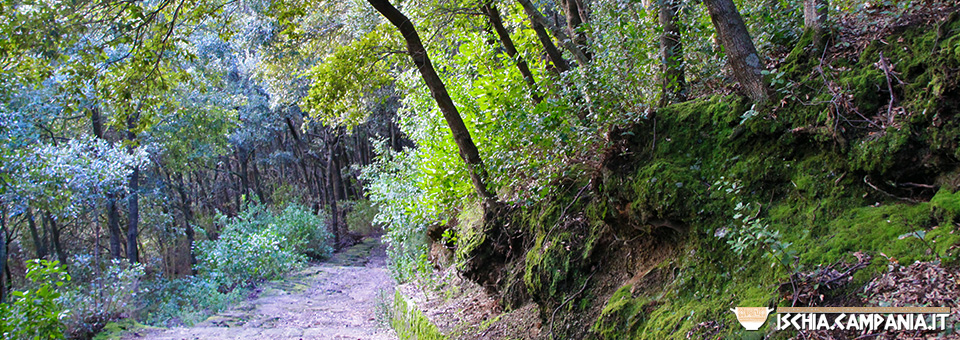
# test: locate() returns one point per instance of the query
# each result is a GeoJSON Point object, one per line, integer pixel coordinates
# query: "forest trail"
{"type": "Point", "coordinates": [332, 300]}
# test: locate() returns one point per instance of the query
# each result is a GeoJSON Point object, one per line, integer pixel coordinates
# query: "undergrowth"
{"type": "Point", "coordinates": [651, 247]}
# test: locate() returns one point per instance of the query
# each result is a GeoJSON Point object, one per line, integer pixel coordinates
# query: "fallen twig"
{"type": "Point", "coordinates": [887, 193]}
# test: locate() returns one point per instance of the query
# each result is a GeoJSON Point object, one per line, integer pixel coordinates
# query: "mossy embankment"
{"type": "Point", "coordinates": [858, 152]}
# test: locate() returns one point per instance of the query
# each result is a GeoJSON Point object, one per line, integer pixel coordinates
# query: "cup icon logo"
{"type": "Point", "coordinates": [752, 317]}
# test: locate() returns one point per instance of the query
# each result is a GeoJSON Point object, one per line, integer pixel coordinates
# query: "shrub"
{"type": "Point", "coordinates": [36, 313]}
{"type": "Point", "coordinates": [361, 217]}
{"type": "Point", "coordinates": [184, 301]}
{"type": "Point", "coordinates": [100, 293]}
{"type": "Point", "coordinates": [245, 254]}
{"type": "Point", "coordinates": [305, 232]}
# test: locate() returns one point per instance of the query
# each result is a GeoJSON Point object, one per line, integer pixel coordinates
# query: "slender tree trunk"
{"type": "Point", "coordinates": [243, 156]}
{"type": "Point", "coordinates": [96, 121]}
{"type": "Point", "coordinates": [185, 203]}
{"type": "Point", "coordinates": [133, 201]}
{"type": "Point", "coordinates": [257, 185]}
{"type": "Point", "coordinates": [9, 286]}
{"type": "Point", "coordinates": [671, 54]}
{"type": "Point", "coordinates": [333, 177]}
{"type": "Point", "coordinates": [3, 256]}
{"type": "Point", "coordinates": [815, 14]}
{"type": "Point", "coordinates": [298, 152]}
{"type": "Point", "coordinates": [38, 243]}
{"type": "Point", "coordinates": [133, 216]}
{"type": "Point", "coordinates": [468, 150]}
{"type": "Point", "coordinates": [238, 190]}
{"type": "Point", "coordinates": [55, 238]}
{"type": "Point", "coordinates": [113, 215]}
{"type": "Point", "coordinates": [574, 13]}
{"type": "Point", "coordinates": [495, 20]}
{"type": "Point", "coordinates": [539, 20]}
{"type": "Point", "coordinates": [113, 225]}
{"type": "Point", "coordinates": [741, 53]}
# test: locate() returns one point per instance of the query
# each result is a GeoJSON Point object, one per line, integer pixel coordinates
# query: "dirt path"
{"type": "Point", "coordinates": [333, 300]}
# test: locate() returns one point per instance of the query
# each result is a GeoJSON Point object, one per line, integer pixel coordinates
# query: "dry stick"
{"type": "Point", "coordinates": [552, 316]}
{"type": "Point", "coordinates": [887, 193]}
{"type": "Point", "coordinates": [564, 211]}
{"type": "Point", "coordinates": [568, 43]}
{"type": "Point", "coordinates": [918, 185]}
{"type": "Point", "coordinates": [885, 66]}
{"type": "Point", "coordinates": [654, 147]}
{"type": "Point", "coordinates": [836, 94]}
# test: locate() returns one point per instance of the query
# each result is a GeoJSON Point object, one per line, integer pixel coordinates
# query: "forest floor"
{"type": "Point", "coordinates": [335, 299]}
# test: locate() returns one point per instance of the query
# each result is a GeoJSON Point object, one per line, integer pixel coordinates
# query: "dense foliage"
{"type": "Point", "coordinates": [170, 154]}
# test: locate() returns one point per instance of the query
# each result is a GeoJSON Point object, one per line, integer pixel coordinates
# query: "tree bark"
{"type": "Point", "coordinates": [133, 201]}
{"type": "Point", "coordinates": [3, 256]}
{"type": "Point", "coordinates": [468, 150]}
{"type": "Point", "coordinates": [185, 203]}
{"type": "Point", "coordinates": [575, 18]}
{"type": "Point", "coordinates": [96, 120]}
{"type": "Point", "coordinates": [741, 53]}
{"type": "Point", "coordinates": [113, 215]}
{"type": "Point", "coordinates": [243, 156]}
{"type": "Point", "coordinates": [38, 244]}
{"type": "Point", "coordinates": [333, 181]}
{"type": "Point", "coordinates": [815, 14]}
{"type": "Point", "coordinates": [538, 19]}
{"type": "Point", "coordinates": [55, 239]}
{"type": "Point", "coordinates": [257, 185]}
{"type": "Point", "coordinates": [113, 225]}
{"type": "Point", "coordinates": [497, 22]}
{"type": "Point", "coordinates": [671, 54]}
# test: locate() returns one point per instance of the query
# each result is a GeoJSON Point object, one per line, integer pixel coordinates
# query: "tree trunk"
{"type": "Point", "coordinates": [243, 155]}
{"type": "Point", "coordinates": [113, 215]}
{"type": "Point", "coordinates": [133, 216]}
{"type": "Point", "coordinates": [55, 239]}
{"type": "Point", "coordinates": [538, 19]}
{"type": "Point", "coordinates": [96, 120]}
{"type": "Point", "coordinates": [741, 53]}
{"type": "Point", "coordinates": [3, 256]}
{"type": "Point", "coordinates": [334, 184]}
{"type": "Point", "coordinates": [257, 185]}
{"type": "Point", "coordinates": [133, 201]}
{"type": "Point", "coordinates": [815, 14]}
{"type": "Point", "coordinates": [468, 150]}
{"type": "Point", "coordinates": [671, 54]}
{"type": "Point", "coordinates": [113, 225]}
{"type": "Point", "coordinates": [495, 20]}
{"type": "Point", "coordinates": [185, 204]}
{"type": "Point", "coordinates": [575, 18]}
{"type": "Point", "coordinates": [238, 190]}
{"type": "Point", "coordinates": [38, 244]}
{"type": "Point", "coordinates": [298, 152]}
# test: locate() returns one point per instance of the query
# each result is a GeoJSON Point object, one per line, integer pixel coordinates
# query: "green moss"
{"type": "Point", "coordinates": [410, 323]}
{"type": "Point", "coordinates": [946, 205]}
{"type": "Point", "coordinates": [873, 154]}
{"type": "Point", "coordinates": [803, 164]}
{"type": "Point", "coordinates": [117, 330]}
{"type": "Point", "coordinates": [665, 190]}
{"type": "Point", "coordinates": [470, 233]}
{"type": "Point", "coordinates": [621, 315]}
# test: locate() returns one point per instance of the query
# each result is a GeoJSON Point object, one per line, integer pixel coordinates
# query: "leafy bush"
{"type": "Point", "coordinates": [184, 301]}
{"type": "Point", "coordinates": [36, 313]}
{"type": "Point", "coordinates": [405, 209]}
{"type": "Point", "coordinates": [100, 293]}
{"type": "Point", "coordinates": [305, 232]}
{"type": "Point", "coordinates": [244, 255]}
{"type": "Point", "coordinates": [361, 217]}
{"type": "Point", "coordinates": [260, 245]}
